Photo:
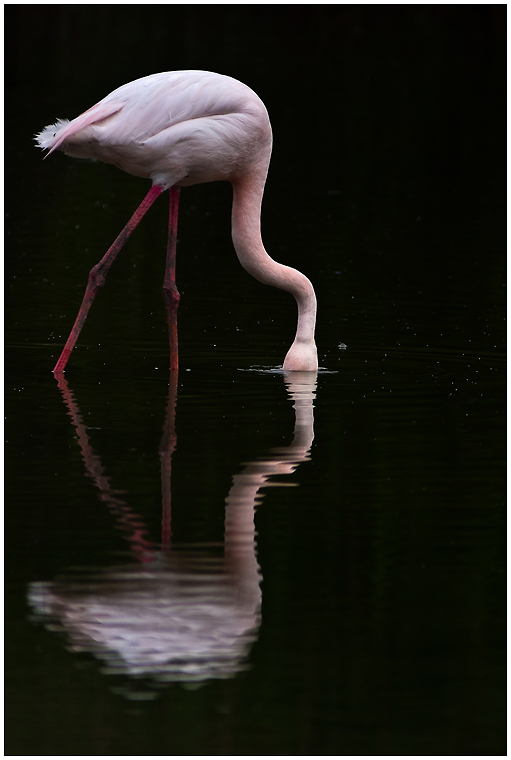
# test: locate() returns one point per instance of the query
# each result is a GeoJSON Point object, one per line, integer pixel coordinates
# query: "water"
{"type": "Point", "coordinates": [381, 566]}
{"type": "Point", "coordinates": [236, 561]}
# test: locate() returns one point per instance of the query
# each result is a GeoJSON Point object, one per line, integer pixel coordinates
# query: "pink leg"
{"type": "Point", "coordinates": [170, 291]}
{"type": "Point", "coordinates": [98, 273]}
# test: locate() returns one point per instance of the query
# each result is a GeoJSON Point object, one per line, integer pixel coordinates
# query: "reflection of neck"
{"type": "Point", "coordinates": [301, 387]}
{"type": "Point", "coordinates": [244, 495]}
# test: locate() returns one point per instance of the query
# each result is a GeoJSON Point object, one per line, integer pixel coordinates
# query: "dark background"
{"type": "Point", "coordinates": [384, 573]}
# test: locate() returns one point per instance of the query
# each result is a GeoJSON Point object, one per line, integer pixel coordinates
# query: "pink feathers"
{"type": "Point", "coordinates": [54, 135]}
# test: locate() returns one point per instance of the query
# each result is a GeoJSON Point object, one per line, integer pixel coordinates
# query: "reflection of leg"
{"type": "Point", "coordinates": [98, 273]}
{"type": "Point", "coordinates": [167, 446]}
{"type": "Point", "coordinates": [129, 521]}
{"type": "Point", "coordinates": [170, 291]}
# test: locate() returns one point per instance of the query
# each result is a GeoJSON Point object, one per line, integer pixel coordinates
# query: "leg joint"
{"type": "Point", "coordinates": [171, 294]}
{"type": "Point", "coordinates": [97, 276]}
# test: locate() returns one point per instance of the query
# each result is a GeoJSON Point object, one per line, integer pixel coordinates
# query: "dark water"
{"type": "Point", "coordinates": [236, 561]}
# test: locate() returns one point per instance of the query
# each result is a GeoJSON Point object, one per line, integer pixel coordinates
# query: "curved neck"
{"type": "Point", "coordinates": [246, 236]}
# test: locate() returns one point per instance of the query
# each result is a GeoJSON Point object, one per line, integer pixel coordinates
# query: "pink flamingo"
{"type": "Point", "coordinates": [181, 128]}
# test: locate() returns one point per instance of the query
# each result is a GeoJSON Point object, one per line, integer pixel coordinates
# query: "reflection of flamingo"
{"type": "Point", "coordinates": [183, 128]}
{"type": "Point", "coordinates": [178, 613]}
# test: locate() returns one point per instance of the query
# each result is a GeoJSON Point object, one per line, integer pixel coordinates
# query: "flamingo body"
{"type": "Point", "coordinates": [175, 128]}
{"type": "Point", "coordinates": [182, 128]}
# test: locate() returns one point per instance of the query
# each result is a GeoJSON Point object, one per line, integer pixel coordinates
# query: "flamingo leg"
{"type": "Point", "coordinates": [98, 273]}
{"type": "Point", "coordinates": [170, 291]}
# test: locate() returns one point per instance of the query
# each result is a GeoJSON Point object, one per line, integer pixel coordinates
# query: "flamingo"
{"type": "Point", "coordinates": [181, 128]}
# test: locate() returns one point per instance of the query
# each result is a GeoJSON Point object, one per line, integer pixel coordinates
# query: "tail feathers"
{"type": "Point", "coordinates": [54, 135]}
{"type": "Point", "coordinates": [49, 135]}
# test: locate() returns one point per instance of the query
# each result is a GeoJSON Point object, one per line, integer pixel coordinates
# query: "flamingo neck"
{"type": "Point", "coordinates": [246, 236]}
